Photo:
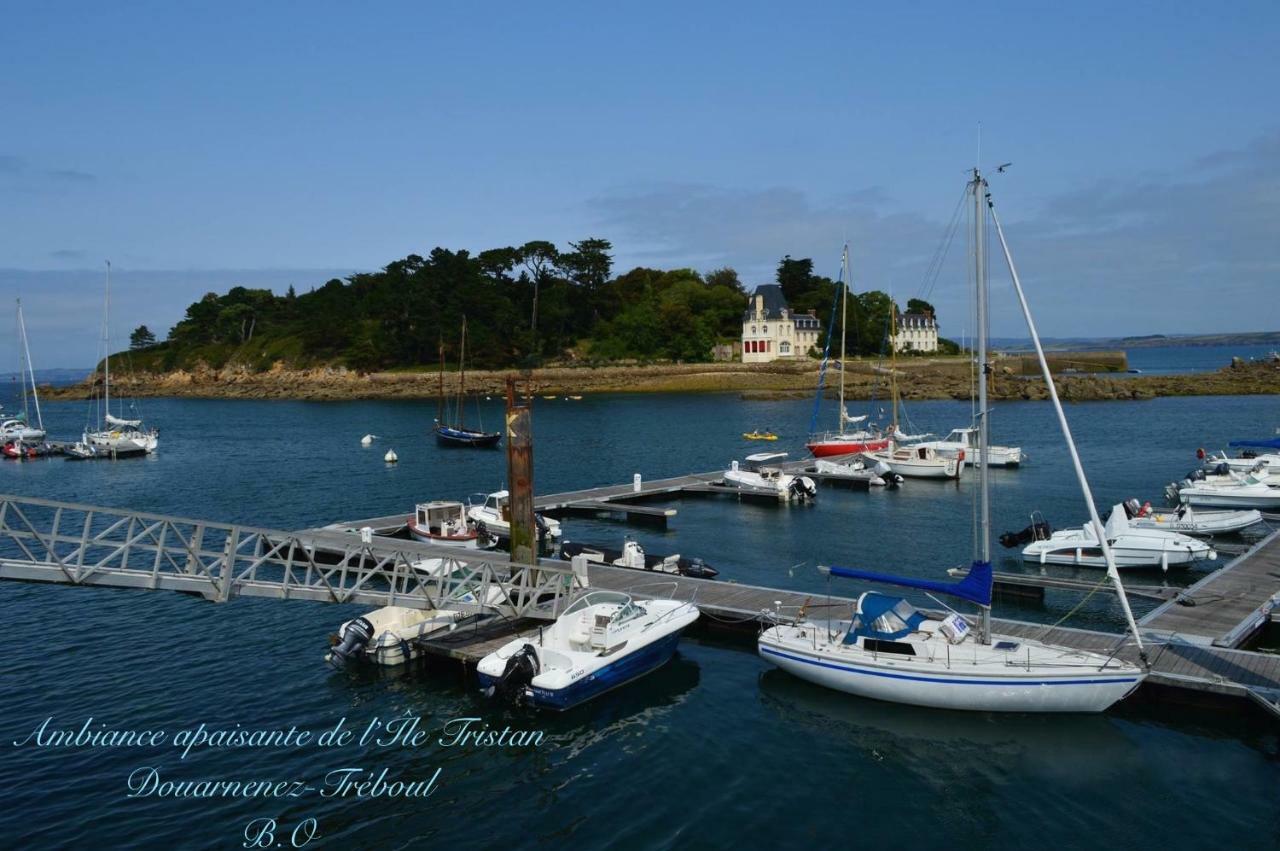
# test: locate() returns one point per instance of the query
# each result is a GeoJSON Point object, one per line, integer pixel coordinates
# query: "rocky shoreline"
{"type": "Point", "coordinates": [917, 379]}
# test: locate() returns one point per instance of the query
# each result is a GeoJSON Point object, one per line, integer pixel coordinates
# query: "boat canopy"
{"type": "Point", "coordinates": [975, 587]}
{"type": "Point", "coordinates": [117, 421]}
{"type": "Point", "coordinates": [1270, 443]}
{"type": "Point", "coordinates": [884, 618]}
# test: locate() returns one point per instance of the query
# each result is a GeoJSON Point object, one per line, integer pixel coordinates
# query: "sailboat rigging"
{"type": "Point", "coordinates": [22, 438]}
{"type": "Point", "coordinates": [842, 442]}
{"type": "Point", "coordinates": [889, 650]}
{"type": "Point", "coordinates": [456, 434]}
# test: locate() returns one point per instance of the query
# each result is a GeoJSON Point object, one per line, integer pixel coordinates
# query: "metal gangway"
{"type": "Point", "coordinates": [71, 544]}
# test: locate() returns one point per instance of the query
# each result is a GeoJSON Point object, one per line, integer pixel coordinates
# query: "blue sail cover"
{"type": "Point", "coordinates": [1272, 443]}
{"type": "Point", "coordinates": [976, 587]}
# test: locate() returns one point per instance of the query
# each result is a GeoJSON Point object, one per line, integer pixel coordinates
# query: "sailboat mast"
{"type": "Point", "coordinates": [462, 376]}
{"type": "Point", "coordinates": [31, 372]}
{"type": "Point", "coordinates": [984, 496]}
{"type": "Point", "coordinates": [106, 346]}
{"type": "Point", "coordinates": [440, 395]}
{"type": "Point", "coordinates": [1085, 490]}
{"type": "Point", "coordinates": [844, 313]}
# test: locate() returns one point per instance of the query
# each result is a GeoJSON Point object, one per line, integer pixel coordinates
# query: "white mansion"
{"type": "Point", "coordinates": [916, 332]}
{"type": "Point", "coordinates": [770, 331]}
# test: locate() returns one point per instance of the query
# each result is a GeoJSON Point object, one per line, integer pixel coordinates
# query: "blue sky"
{"type": "Point", "coordinates": [267, 144]}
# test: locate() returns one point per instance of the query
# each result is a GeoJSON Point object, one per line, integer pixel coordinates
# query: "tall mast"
{"type": "Point", "coordinates": [1083, 481]}
{"type": "Point", "coordinates": [462, 376]}
{"type": "Point", "coordinates": [980, 279]}
{"type": "Point", "coordinates": [106, 346]}
{"type": "Point", "coordinates": [440, 395]}
{"type": "Point", "coordinates": [31, 372]}
{"type": "Point", "coordinates": [845, 277]}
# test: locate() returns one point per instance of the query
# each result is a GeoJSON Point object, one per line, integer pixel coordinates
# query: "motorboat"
{"type": "Point", "coordinates": [632, 555]}
{"type": "Point", "coordinates": [889, 650]}
{"type": "Point", "coordinates": [22, 450]}
{"type": "Point", "coordinates": [1132, 547]}
{"type": "Point", "coordinates": [961, 444]}
{"type": "Point", "coordinates": [445, 522]}
{"type": "Point", "coordinates": [1246, 462]}
{"type": "Point", "coordinates": [493, 515]}
{"type": "Point", "coordinates": [1186, 520]}
{"type": "Point", "coordinates": [857, 470]}
{"type": "Point", "coordinates": [389, 635]}
{"type": "Point", "coordinates": [917, 461]}
{"type": "Point", "coordinates": [17, 429]}
{"type": "Point", "coordinates": [760, 475]}
{"type": "Point", "coordinates": [1248, 492]}
{"type": "Point", "coordinates": [603, 640]}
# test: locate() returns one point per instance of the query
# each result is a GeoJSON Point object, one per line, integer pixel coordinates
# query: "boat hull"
{"type": "Point", "coordinates": [466, 438]}
{"type": "Point", "coordinates": [830, 448]}
{"type": "Point", "coordinates": [1227, 498]}
{"type": "Point", "coordinates": [1090, 555]}
{"type": "Point", "coordinates": [1084, 691]}
{"type": "Point", "coordinates": [467, 542]}
{"type": "Point", "coordinates": [630, 667]}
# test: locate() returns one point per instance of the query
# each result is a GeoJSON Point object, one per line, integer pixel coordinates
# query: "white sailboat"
{"type": "Point", "coordinates": [115, 436]}
{"type": "Point", "coordinates": [890, 651]}
{"type": "Point", "coordinates": [20, 436]}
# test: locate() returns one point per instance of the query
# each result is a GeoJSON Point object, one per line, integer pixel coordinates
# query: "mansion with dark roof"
{"type": "Point", "coordinates": [916, 332]}
{"type": "Point", "coordinates": [770, 331]}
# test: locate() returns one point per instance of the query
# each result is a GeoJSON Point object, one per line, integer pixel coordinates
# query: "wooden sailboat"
{"type": "Point", "coordinates": [842, 442]}
{"type": "Point", "coordinates": [457, 434]}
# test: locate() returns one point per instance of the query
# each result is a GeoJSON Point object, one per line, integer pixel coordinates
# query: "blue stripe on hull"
{"type": "Point", "coordinates": [944, 680]}
{"type": "Point", "coordinates": [626, 669]}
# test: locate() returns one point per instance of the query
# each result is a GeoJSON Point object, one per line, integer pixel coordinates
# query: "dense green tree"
{"type": "Point", "coordinates": [141, 338]}
{"type": "Point", "coordinates": [919, 305]}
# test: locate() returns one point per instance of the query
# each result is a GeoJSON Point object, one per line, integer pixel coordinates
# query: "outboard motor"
{"type": "Point", "coordinates": [1198, 475]}
{"type": "Point", "coordinates": [802, 488]}
{"type": "Point", "coordinates": [1037, 531]}
{"type": "Point", "coordinates": [1222, 469]}
{"type": "Point", "coordinates": [1132, 508]}
{"type": "Point", "coordinates": [352, 642]}
{"type": "Point", "coordinates": [519, 672]}
{"type": "Point", "coordinates": [632, 555]}
{"type": "Point", "coordinates": [699, 569]}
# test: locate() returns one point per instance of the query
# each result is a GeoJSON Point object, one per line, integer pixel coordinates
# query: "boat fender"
{"type": "Point", "coordinates": [518, 673]}
{"type": "Point", "coordinates": [352, 642]}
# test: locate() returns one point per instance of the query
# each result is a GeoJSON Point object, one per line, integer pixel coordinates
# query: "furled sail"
{"type": "Point", "coordinates": [975, 587]}
{"type": "Point", "coordinates": [116, 421]}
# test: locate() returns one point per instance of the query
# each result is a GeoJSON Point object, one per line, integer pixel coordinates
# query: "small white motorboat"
{"type": "Point", "coordinates": [493, 513]}
{"type": "Point", "coordinates": [1187, 521]}
{"type": "Point", "coordinates": [445, 522]}
{"type": "Point", "coordinates": [1131, 547]}
{"type": "Point", "coordinates": [603, 640]}
{"type": "Point", "coordinates": [962, 443]}
{"type": "Point", "coordinates": [1248, 492]}
{"type": "Point", "coordinates": [633, 556]}
{"type": "Point", "coordinates": [759, 475]}
{"type": "Point", "coordinates": [920, 461]}
{"type": "Point", "coordinates": [389, 635]}
{"type": "Point", "coordinates": [1242, 464]}
{"type": "Point", "coordinates": [855, 469]}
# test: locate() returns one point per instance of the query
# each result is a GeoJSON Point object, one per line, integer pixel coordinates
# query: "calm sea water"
{"type": "Point", "coordinates": [1177, 359]}
{"type": "Point", "coordinates": [715, 750]}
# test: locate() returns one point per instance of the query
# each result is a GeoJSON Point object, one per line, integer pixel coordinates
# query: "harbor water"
{"type": "Point", "coordinates": [714, 750]}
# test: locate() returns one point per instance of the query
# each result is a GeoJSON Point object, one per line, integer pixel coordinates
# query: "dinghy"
{"type": "Point", "coordinates": [603, 640]}
{"type": "Point", "coordinates": [759, 475]}
{"type": "Point", "coordinates": [1248, 492]}
{"type": "Point", "coordinates": [389, 635]}
{"type": "Point", "coordinates": [856, 470]}
{"type": "Point", "coordinates": [633, 556]}
{"type": "Point", "coordinates": [1186, 520]}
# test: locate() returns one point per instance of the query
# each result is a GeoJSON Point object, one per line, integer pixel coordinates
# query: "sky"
{"type": "Point", "coordinates": [203, 146]}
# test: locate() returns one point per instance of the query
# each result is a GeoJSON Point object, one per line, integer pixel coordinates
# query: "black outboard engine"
{"type": "Point", "coordinates": [1197, 475]}
{"type": "Point", "coordinates": [803, 489]}
{"type": "Point", "coordinates": [699, 569]}
{"type": "Point", "coordinates": [1222, 469]}
{"type": "Point", "coordinates": [1132, 508]}
{"type": "Point", "coordinates": [1037, 531]}
{"type": "Point", "coordinates": [352, 642]}
{"type": "Point", "coordinates": [516, 676]}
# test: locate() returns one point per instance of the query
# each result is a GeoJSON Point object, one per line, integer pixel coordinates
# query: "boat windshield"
{"type": "Point", "coordinates": [597, 598]}
{"type": "Point", "coordinates": [883, 617]}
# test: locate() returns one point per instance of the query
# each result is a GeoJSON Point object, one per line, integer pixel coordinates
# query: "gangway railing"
{"type": "Point", "coordinates": [72, 544]}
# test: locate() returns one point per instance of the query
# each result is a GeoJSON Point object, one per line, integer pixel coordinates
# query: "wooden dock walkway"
{"type": "Point", "coordinates": [1228, 606]}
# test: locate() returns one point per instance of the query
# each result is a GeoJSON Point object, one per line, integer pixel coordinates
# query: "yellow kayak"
{"type": "Point", "coordinates": [759, 435]}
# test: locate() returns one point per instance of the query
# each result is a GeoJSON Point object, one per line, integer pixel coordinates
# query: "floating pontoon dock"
{"type": "Point", "coordinates": [1193, 642]}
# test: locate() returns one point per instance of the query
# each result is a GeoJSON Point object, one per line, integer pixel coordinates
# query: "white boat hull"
{"type": "Point", "coordinates": [1252, 496]}
{"type": "Point", "coordinates": [957, 684]}
{"type": "Point", "coordinates": [939, 467]}
{"type": "Point", "coordinates": [1198, 522]}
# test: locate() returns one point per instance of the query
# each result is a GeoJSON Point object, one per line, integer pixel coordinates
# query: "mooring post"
{"type": "Point", "coordinates": [524, 531]}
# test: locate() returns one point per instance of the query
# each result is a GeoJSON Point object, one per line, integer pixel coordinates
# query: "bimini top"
{"type": "Point", "coordinates": [883, 618]}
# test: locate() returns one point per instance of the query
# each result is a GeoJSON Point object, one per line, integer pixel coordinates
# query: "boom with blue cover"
{"type": "Point", "coordinates": [1272, 443]}
{"type": "Point", "coordinates": [976, 587]}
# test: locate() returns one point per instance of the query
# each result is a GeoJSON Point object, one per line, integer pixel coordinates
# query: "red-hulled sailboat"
{"type": "Point", "coordinates": [850, 438]}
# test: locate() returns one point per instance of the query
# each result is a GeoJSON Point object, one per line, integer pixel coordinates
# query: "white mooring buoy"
{"type": "Point", "coordinates": [391, 456]}
{"type": "Point", "coordinates": [367, 439]}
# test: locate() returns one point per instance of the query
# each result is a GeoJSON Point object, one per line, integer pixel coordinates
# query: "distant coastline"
{"type": "Point", "coordinates": [940, 378]}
